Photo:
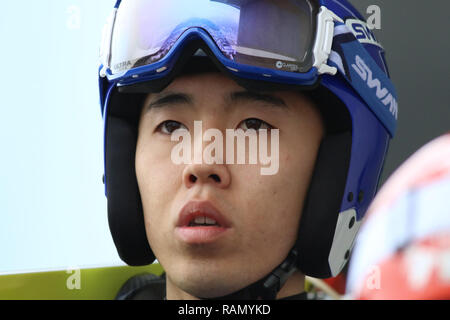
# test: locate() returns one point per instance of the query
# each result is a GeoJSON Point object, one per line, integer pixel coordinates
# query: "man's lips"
{"type": "Point", "coordinates": [194, 210]}
{"type": "Point", "coordinates": [199, 222]}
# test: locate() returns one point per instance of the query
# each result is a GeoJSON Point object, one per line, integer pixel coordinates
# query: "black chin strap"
{"type": "Point", "coordinates": [268, 287]}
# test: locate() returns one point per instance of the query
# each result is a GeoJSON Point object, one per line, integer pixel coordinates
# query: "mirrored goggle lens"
{"type": "Point", "coordinates": [275, 34]}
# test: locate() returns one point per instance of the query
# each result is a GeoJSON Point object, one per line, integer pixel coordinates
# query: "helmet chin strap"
{"type": "Point", "coordinates": [268, 287]}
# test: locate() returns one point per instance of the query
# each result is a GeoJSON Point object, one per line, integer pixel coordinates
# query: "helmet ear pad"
{"type": "Point", "coordinates": [322, 205]}
{"type": "Point", "coordinates": [125, 214]}
{"type": "Point", "coordinates": [326, 191]}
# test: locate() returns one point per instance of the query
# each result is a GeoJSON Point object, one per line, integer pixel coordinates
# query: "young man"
{"type": "Point", "coordinates": [182, 80]}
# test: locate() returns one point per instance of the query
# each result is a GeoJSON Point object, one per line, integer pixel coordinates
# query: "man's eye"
{"type": "Point", "coordinates": [169, 126]}
{"type": "Point", "coordinates": [254, 124]}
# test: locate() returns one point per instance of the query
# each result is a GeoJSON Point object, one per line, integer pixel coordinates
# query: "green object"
{"type": "Point", "coordinates": [81, 284]}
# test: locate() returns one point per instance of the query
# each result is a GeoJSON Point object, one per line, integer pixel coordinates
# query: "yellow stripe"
{"type": "Point", "coordinates": [94, 284]}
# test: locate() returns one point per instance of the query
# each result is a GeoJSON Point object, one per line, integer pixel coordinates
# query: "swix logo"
{"type": "Point", "coordinates": [383, 94]}
{"type": "Point", "coordinates": [362, 31]}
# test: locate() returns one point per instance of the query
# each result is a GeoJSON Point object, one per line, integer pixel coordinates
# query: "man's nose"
{"type": "Point", "coordinates": [216, 175]}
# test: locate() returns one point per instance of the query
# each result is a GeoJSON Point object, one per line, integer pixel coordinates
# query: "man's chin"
{"type": "Point", "coordinates": [205, 286]}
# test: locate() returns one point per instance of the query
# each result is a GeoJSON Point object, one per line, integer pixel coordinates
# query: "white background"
{"type": "Point", "coordinates": [52, 203]}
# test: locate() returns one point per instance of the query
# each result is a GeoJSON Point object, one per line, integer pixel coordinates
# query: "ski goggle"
{"type": "Point", "coordinates": [287, 36]}
{"type": "Point", "coordinates": [280, 41]}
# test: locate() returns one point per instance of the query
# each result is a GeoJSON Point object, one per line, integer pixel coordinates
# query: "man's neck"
{"type": "Point", "coordinates": [295, 285]}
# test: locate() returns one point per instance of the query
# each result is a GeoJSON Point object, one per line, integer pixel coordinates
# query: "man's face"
{"type": "Point", "coordinates": [256, 215]}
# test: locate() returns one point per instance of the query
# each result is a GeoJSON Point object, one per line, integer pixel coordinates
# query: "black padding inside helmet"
{"type": "Point", "coordinates": [125, 214]}
{"type": "Point", "coordinates": [335, 115]}
{"type": "Point", "coordinates": [322, 205]}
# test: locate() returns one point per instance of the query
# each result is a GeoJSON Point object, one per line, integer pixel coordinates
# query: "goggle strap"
{"type": "Point", "coordinates": [365, 76]}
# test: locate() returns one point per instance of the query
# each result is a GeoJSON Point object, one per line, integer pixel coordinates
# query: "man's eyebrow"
{"type": "Point", "coordinates": [169, 99]}
{"type": "Point", "coordinates": [252, 96]}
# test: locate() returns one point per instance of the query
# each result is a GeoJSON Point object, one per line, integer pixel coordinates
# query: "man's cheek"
{"type": "Point", "coordinates": [163, 181]}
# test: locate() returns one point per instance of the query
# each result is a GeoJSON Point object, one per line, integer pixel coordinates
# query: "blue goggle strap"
{"type": "Point", "coordinates": [361, 71]}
